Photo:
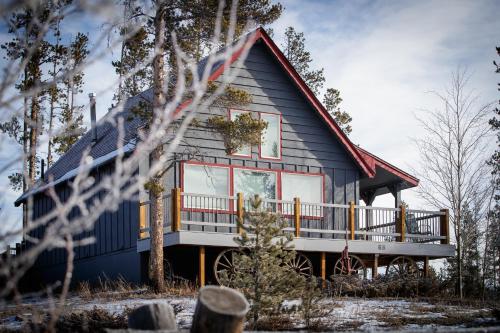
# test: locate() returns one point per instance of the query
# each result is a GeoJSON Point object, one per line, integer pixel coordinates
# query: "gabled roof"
{"type": "Point", "coordinates": [107, 134]}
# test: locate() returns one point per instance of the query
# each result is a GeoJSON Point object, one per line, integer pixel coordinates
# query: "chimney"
{"type": "Point", "coordinates": [93, 118]}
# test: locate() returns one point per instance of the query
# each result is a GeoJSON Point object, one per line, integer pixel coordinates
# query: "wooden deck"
{"type": "Point", "coordinates": [207, 220]}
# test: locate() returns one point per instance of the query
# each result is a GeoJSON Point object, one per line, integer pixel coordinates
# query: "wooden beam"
{"type": "Point", "coordinates": [352, 224]}
{"type": "Point", "coordinates": [296, 215]}
{"type": "Point", "coordinates": [176, 209]}
{"type": "Point", "coordinates": [323, 269]}
{"type": "Point", "coordinates": [201, 266]}
{"type": "Point", "coordinates": [142, 220]}
{"type": "Point", "coordinates": [375, 266]}
{"type": "Point", "coordinates": [426, 267]}
{"type": "Point", "coordinates": [239, 211]}
{"type": "Point", "coordinates": [401, 225]}
{"type": "Point", "coordinates": [445, 226]}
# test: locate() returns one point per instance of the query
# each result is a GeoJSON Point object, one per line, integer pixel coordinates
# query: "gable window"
{"type": "Point", "coordinates": [309, 188]}
{"type": "Point", "coordinates": [270, 146]}
{"type": "Point", "coordinates": [208, 180]}
{"type": "Point", "coordinates": [246, 150]}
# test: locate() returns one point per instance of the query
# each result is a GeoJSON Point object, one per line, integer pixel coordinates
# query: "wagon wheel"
{"type": "Point", "coordinates": [358, 268]}
{"type": "Point", "coordinates": [402, 267]}
{"type": "Point", "coordinates": [224, 266]}
{"type": "Point", "coordinates": [168, 272]}
{"type": "Point", "coordinates": [301, 264]}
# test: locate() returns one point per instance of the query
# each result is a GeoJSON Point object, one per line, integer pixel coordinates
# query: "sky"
{"type": "Point", "coordinates": [385, 57]}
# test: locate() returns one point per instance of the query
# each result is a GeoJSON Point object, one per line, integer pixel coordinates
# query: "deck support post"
{"type": "Point", "coordinates": [296, 216]}
{"type": "Point", "coordinates": [352, 224]}
{"type": "Point", "coordinates": [401, 224]}
{"type": "Point", "coordinates": [201, 266]}
{"type": "Point", "coordinates": [375, 266]}
{"type": "Point", "coordinates": [239, 211]}
{"type": "Point", "coordinates": [176, 209]}
{"type": "Point", "coordinates": [323, 269]}
{"type": "Point", "coordinates": [142, 220]}
{"type": "Point", "coordinates": [445, 226]}
{"type": "Point", "coordinates": [426, 267]}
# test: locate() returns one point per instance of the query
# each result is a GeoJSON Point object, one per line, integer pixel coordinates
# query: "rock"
{"type": "Point", "coordinates": [156, 316]}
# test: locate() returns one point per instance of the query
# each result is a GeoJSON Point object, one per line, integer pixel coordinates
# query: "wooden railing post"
{"type": "Point", "coordinates": [239, 211]}
{"type": "Point", "coordinates": [296, 216]}
{"type": "Point", "coordinates": [352, 224]}
{"type": "Point", "coordinates": [201, 266]}
{"type": "Point", "coordinates": [142, 220]}
{"type": "Point", "coordinates": [176, 209]}
{"type": "Point", "coordinates": [401, 224]}
{"type": "Point", "coordinates": [445, 226]}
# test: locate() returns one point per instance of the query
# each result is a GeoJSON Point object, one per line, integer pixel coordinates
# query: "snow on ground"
{"type": "Point", "coordinates": [347, 314]}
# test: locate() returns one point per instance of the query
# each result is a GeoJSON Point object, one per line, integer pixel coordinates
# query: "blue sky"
{"type": "Point", "coordinates": [384, 57]}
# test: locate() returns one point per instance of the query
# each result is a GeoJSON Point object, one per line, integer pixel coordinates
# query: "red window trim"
{"type": "Point", "coordinates": [231, 182]}
{"type": "Point", "coordinates": [280, 138]}
{"type": "Point", "coordinates": [236, 154]}
{"type": "Point", "coordinates": [259, 145]}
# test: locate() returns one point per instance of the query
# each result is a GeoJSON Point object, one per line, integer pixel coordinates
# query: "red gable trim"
{"type": "Point", "coordinates": [260, 34]}
{"type": "Point", "coordinates": [377, 161]}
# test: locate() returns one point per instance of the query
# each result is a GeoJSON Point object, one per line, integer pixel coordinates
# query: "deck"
{"type": "Point", "coordinates": [209, 220]}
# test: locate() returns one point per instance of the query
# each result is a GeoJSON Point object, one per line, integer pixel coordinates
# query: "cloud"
{"type": "Point", "coordinates": [385, 56]}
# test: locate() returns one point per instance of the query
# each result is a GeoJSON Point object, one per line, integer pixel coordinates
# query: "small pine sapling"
{"type": "Point", "coordinates": [262, 273]}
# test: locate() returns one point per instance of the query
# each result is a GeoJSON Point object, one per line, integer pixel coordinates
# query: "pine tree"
{"type": "Point", "coordinates": [71, 116]}
{"type": "Point", "coordinates": [294, 49]}
{"type": "Point", "coordinates": [26, 24]}
{"type": "Point", "coordinates": [332, 100]}
{"type": "Point", "coordinates": [471, 236]}
{"type": "Point", "coordinates": [171, 17]}
{"type": "Point", "coordinates": [262, 273]}
{"type": "Point", "coordinates": [54, 92]}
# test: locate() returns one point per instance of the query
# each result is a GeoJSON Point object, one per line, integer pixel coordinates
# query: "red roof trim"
{"type": "Point", "coordinates": [260, 34]}
{"type": "Point", "coordinates": [377, 161]}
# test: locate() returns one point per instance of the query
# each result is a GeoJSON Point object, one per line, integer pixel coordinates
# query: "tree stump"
{"type": "Point", "coordinates": [219, 309]}
{"type": "Point", "coordinates": [156, 316]}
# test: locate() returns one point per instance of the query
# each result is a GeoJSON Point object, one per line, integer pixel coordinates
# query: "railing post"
{"type": "Point", "coordinates": [352, 224]}
{"type": "Point", "coordinates": [239, 211]}
{"type": "Point", "coordinates": [296, 216]}
{"type": "Point", "coordinates": [201, 266]}
{"type": "Point", "coordinates": [445, 226]}
{"type": "Point", "coordinates": [142, 220]}
{"type": "Point", "coordinates": [401, 225]}
{"type": "Point", "coordinates": [176, 209]}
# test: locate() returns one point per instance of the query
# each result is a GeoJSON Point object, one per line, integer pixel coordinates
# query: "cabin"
{"type": "Point", "coordinates": [305, 168]}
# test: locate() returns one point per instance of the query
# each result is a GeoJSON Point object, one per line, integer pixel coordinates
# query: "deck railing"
{"type": "Point", "coordinates": [215, 213]}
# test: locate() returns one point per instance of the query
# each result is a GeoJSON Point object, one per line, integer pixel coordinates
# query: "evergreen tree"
{"type": "Point", "coordinates": [175, 16]}
{"type": "Point", "coordinates": [332, 100]}
{"type": "Point", "coordinates": [71, 115]}
{"type": "Point", "coordinates": [295, 50]}
{"type": "Point", "coordinates": [471, 237]}
{"type": "Point", "coordinates": [26, 24]}
{"type": "Point", "coordinates": [263, 274]}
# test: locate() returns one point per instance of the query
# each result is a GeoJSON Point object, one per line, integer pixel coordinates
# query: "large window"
{"type": "Point", "coordinates": [246, 150]}
{"type": "Point", "coordinates": [251, 182]}
{"type": "Point", "coordinates": [270, 146]}
{"type": "Point", "coordinates": [202, 179]}
{"type": "Point", "coordinates": [309, 188]}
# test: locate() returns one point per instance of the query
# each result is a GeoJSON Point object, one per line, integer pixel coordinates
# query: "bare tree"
{"type": "Point", "coordinates": [452, 153]}
{"type": "Point", "coordinates": [124, 183]}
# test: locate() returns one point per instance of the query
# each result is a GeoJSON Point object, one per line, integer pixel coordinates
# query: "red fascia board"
{"type": "Point", "coordinates": [390, 168]}
{"type": "Point", "coordinates": [260, 34]}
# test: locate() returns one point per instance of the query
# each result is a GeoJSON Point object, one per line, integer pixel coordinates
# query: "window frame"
{"type": "Point", "coordinates": [280, 138]}
{"type": "Point", "coordinates": [211, 165]}
{"type": "Point", "coordinates": [232, 206]}
{"type": "Point", "coordinates": [229, 115]}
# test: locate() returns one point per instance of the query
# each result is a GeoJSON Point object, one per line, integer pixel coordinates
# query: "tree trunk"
{"type": "Point", "coordinates": [156, 188]}
{"type": "Point", "coordinates": [33, 140]}
{"type": "Point", "coordinates": [219, 309]}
